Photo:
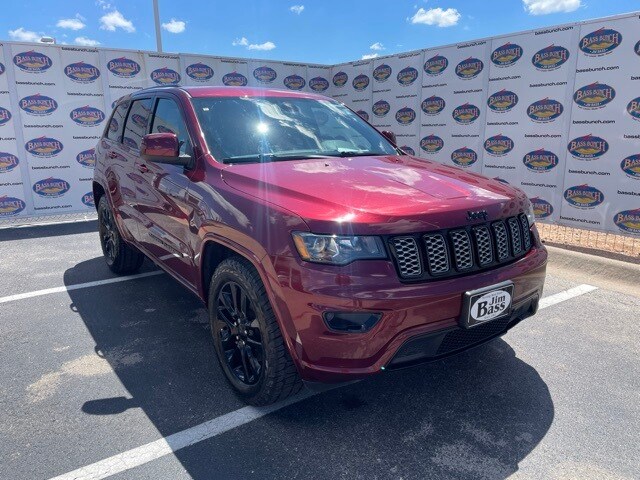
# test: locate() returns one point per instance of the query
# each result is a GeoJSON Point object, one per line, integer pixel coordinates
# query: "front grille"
{"type": "Point", "coordinates": [458, 251]}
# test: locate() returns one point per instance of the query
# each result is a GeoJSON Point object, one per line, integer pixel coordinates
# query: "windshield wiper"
{"type": "Point", "coordinates": [270, 157]}
{"type": "Point", "coordinates": [351, 153]}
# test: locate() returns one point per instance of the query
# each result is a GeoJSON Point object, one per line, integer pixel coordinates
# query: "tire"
{"type": "Point", "coordinates": [267, 373]}
{"type": "Point", "coordinates": [121, 258]}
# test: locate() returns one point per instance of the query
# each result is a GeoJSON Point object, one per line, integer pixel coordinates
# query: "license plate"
{"type": "Point", "coordinates": [486, 304]}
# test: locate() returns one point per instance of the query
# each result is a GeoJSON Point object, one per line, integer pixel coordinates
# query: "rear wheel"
{"type": "Point", "coordinates": [120, 257]}
{"type": "Point", "coordinates": [247, 337]}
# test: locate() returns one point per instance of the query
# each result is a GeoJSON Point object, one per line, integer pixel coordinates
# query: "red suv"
{"type": "Point", "coordinates": [323, 252]}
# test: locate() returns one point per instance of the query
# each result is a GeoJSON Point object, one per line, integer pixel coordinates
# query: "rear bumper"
{"type": "Point", "coordinates": [419, 321]}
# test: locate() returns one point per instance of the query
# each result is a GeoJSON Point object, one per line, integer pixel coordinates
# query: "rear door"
{"type": "Point", "coordinates": [163, 195]}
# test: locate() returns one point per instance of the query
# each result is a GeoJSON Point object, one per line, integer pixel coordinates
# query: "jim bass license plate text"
{"type": "Point", "coordinates": [486, 304]}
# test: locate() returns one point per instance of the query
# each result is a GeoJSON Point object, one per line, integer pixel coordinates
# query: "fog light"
{"type": "Point", "coordinates": [351, 322]}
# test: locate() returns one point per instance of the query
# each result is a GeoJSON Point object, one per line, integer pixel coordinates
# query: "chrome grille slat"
{"type": "Point", "coordinates": [516, 237]}
{"type": "Point", "coordinates": [436, 253]}
{"type": "Point", "coordinates": [484, 245]}
{"type": "Point", "coordinates": [526, 230]}
{"type": "Point", "coordinates": [408, 257]}
{"type": "Point", "coordinates": [462, 253]}
{"type": "Point", "coordinates": [502, 242]}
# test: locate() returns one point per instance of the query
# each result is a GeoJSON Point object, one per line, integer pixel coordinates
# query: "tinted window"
{"type": "Point", "coordinates": [168, 119]}
{"type": "Point", "coordinates": [117, 121]}
{"type": "Point", "coordinates": [137, 122]}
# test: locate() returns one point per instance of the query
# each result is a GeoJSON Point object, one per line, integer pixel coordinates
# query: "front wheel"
{"type": "Point", "coordinates": [247, 337]}
{"type": "Point", "coordinates": [120, 257]}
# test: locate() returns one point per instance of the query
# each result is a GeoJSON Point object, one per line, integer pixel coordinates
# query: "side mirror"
{"type": "Point", "coordinates": [389, 136]}
{"type": "Point", "coordinates": [162, 148]}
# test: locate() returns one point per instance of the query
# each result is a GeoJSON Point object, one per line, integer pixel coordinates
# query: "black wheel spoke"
{"type": "Point", "coordinates": [245, 363]}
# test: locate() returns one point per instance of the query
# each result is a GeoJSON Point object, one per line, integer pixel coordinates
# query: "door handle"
{"type": "Point", "coordinates": [143, 168]}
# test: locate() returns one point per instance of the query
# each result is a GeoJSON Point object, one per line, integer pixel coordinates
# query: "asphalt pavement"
{"type": "Point", "coordinates": [120, 379]}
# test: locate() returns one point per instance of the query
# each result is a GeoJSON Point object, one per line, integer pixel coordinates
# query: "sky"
{"type": "Point", "coordinates": [325, 32]}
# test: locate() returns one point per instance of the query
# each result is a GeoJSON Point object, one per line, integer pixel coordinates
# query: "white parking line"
{"type": "Point", "coordinates": [77, 286]}
{"type": "Point", "coordinates": [167, 445]}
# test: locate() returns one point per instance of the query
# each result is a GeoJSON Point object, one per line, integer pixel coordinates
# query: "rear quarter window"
{"type": "Point", "coordinates": [116, 123]}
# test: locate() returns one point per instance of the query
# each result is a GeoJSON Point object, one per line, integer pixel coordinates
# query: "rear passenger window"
{"type": "Point", "coordinates": [168, 119]}
{"type": "Point", "coordinates": [137, 122]}
{"type": "Point", "coordinates": [117, 122]}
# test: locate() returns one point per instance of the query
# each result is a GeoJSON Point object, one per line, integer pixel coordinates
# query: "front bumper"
{"type": "Point", "coordinates": [413, 315]}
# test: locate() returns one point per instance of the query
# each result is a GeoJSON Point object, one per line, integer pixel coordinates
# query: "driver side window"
{"type": "Point", "coordinates": [168, 119]}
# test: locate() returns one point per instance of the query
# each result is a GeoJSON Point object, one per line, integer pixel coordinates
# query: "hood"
{"type": "Point", "coordinates": [375, 194]}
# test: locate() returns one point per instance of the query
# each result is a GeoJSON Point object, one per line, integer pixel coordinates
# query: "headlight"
{"type": "Point", "coordinates": [530, 215]}
{"type": "Point", "coordinates": [337, 249]}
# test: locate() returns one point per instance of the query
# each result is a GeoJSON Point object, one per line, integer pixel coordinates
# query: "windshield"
{"type": "Point", "coordinates": [255, 129]}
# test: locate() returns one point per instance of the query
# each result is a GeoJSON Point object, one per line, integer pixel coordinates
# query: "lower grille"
{"type": "Point", "coordinates": [459, 339]}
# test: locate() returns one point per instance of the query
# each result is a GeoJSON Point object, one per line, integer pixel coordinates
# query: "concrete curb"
{"type": "Point", "coordinates": [595, 270]}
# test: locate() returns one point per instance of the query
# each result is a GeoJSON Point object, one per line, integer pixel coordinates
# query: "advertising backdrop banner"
{"type": "Point", "coordinates": [554, 111]}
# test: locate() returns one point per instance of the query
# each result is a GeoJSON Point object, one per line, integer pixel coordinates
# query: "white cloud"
{"type": "Point", "coordinates": [114, 20]}
{"type": "Point", "coordinates": [86, 42]}
{"type": "Point", "coordinates": [297, 9]}
{"type": "Point", "coordinates": [103, 4]}
{"type": "Point", "coordinates": [377, 46]}
{"type": "Point", "coordinates": [76, 23]}
{"type": "Point", "coordinates": [437, 16]}
{"type": "Point", "coordinates": [369, 56]}
{"type": "Point", "coordinates": [542, 7]}
{"type": "Point", "coordinates": [175, 26]}
{"type": "Point", "coordinates": [243, 42]}
{"type": "Point", "coordinates": [22, 35]}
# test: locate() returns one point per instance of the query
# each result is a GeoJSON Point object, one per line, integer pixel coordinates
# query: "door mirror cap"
{"type": "Point", "coordinates": [162, 148]}
{"type": "Point", "coordinates": [389, 135]}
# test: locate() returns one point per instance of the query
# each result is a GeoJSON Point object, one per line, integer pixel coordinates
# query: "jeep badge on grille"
{"type": "Point", "coordinates": [477, 215]}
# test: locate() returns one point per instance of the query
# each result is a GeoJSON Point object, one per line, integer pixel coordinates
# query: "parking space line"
{"type": "Point", "coordinates": [159, 448]}
{"type": "Point", "coordinates": [77, 286]}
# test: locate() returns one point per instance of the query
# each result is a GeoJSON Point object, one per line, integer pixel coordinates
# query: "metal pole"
{"type": "Point", "coordinates": [156, 14]}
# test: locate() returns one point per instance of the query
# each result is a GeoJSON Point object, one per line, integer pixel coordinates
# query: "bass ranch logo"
{"type": "Point", "coordinates": [165, 76]}
{"type": "Point", "coordinates": [5, 116]}
{"type": "Point", "coordinates": [199, 72]}
{"type": "Point", "coordinates": [630, 166]}
{"type": "Point", "coordinates": [382, 73]}
{"type": "Point", "coordinates": [502, 101]}
{"type": "Point", "coordinates": [87, 199]}
{"type": "Point", "coordinates": [469, 68]}
{"type": "Point", "coordinates": [234, 79]}
{"type": "Point", "coordinates": [506, 55]}
{"type": "Point", "coordinates": [381, 108]}
{"type": "Point", "coordinates": [433, 105]}
{"type": "Point", "coordinates": [51, 187]}
{"type": "Point", "coordinates": [464, 157]}
{"type": "Point", "coordinates": [431, 144]}
{"type": "Point", "coordinates": [545, 110]}
{"type": "Point", "coordinates": [8, 162]}
{"type": "Point", "coordinates": [340, 79]}
{"type": "Point", "coordinates": [588, 147]}
{"type": "Point", "coordinates": [2, 68]}
{"type": "Point", "coordinates": [265, 75]}
{"type": "Point", "coordinates": [364, 115]}
{"type": "Point", "coordinates": [405, 116]}
{"type": "Point", "coordinates": [541, 208]}
{"type": "Point", "coordinates": [628, 220]}
{"type": "Point", "coordinates": [498, 145]}
{"type": "Point", "coordinates": [633, 108]}
{"type": "Point", "coordinates": [123, 67]}
{"type": "Point", "coordinates": [540, 160]}
{"type": "Point", "coordinates": [87, 158]}
{"type": "Point", "coordinates": [32, 62]}
{"type": "Point", "coordinates": [583, 196]}
{"type": "Point", "coordinates": [435, 65]}
{"type": "Point", "coordinates": [360, 83]}
{"type": "Point", "coordinates": [600, 42]}
{"type": "Point", "coordinates": [407, 76]}
{"type": "Point", "coordinates": [294, 82]}
{"type": "Point", "coordinates": [39, 105]}
{"type": "Point", "coordinates": [596, 95]}
{"type": "Point", "coordinates": [44, 147]}
{"type": "Point", "coordinates": [408, 150]}
{"type": "Point", "coordinates": [636, 49]}
{"type": "Point", "coordinates": [318, 84]}
{"type": "Point", "coordinates": [11, 206]}
{"type": "Point", "coordinates": [82, 72]}
{"type": "Point", "coordinates": [87, 116]}
{"type": "Point", "coordinates": [465, 114]}
{"type": "Point", "coordinates": [550, 58]}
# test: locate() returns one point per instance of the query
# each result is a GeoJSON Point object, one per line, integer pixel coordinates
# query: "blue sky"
{"type": "Point", "coordinates": [328, 31]}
